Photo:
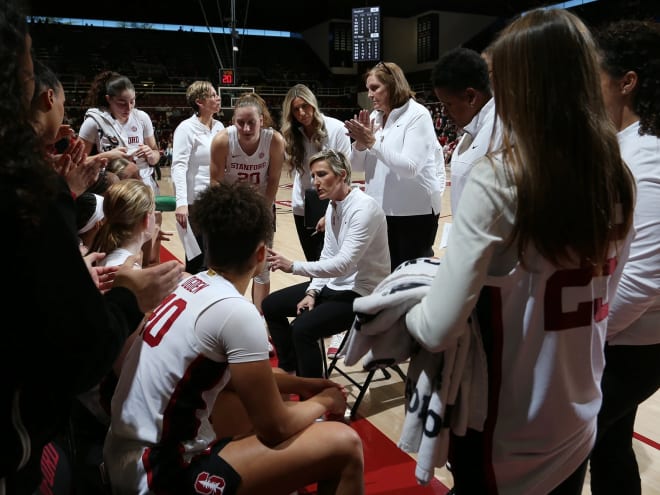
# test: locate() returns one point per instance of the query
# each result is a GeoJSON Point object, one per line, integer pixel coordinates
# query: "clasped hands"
{"type": "Point", "coordinates": [361, 129]}
{"type": "Point", "coordinates": [79, 170]}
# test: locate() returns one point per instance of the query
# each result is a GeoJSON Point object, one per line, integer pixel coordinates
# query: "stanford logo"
{"type": "Point", "coordinates": [134, 128]}
{"type": "Point", "coordinates": [209, 484]}
{"type": "Point", "coordinates": [261, 155]}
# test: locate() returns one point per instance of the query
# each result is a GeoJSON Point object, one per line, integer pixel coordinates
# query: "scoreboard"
{"type": "Point", "coordinates": [366, 34]}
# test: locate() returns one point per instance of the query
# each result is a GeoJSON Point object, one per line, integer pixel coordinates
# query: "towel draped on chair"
{"type": "Point", "coordinates": [433, 403]}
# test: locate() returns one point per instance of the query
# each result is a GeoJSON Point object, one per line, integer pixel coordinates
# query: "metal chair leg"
{"type": "Point", "coordinates": [363, 387]}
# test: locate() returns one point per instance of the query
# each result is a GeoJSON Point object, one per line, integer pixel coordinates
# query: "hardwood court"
{"type": "Point", "coordinates": [383, 405]}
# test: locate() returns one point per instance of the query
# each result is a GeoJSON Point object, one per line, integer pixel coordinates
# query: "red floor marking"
{"type": "Point", "coordinates": [647, 441]}
{"type": "Point", "coordinates": [387, 469]}
{"type": "Point", "coordinates": [166, 255]}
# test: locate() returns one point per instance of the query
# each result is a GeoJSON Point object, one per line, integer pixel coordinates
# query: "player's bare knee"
{"type": "Point", "coordinates": [348, 444]}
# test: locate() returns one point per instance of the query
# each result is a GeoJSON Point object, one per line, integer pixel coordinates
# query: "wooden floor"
{"type": "Point", "coordinates": [383, 404]}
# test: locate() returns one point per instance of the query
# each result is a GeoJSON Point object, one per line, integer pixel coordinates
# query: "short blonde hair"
{"type": "Point", "coordinates": [198, 90]}
{"type": "Point", "coordinates": [336, 160]}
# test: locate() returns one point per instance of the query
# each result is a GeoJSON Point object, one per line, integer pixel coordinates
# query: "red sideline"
{"type": "Point", "coordinates": [647, 441]}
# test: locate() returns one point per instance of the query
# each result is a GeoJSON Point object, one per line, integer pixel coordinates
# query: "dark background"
{"type": "Point", "coordinates": [298, 15]}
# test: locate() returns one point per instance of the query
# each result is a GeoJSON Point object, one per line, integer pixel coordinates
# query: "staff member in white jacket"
{"type": "Point", "coordinates": [461, 83]}
{"type": "Point", "coordinates": [355, 258]}
{"type": "Point", "coordinates": [397, 148]}
{"type": "Point", "coordinates": [191, 158]}
{"type": "Point", "coordinates": [630, 75]}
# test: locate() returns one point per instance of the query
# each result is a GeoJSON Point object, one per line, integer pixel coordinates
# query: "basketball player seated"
{"type": "Point", "coordinates": [207, 337]}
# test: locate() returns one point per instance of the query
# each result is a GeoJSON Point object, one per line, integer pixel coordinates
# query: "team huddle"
{"type": "Point", "coordinates": [543, 310]}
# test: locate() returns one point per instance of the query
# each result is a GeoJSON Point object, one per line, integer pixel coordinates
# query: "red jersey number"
{"type": "Point", "coordinates": [162, 318]}
{"type": "Point", "coordinates": [253, 178]}
{"type": "Point", "coordinates": [556, 318]}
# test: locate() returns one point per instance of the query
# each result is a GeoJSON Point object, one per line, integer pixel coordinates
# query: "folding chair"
{"type": "Point", "coordinates": [362, 387]}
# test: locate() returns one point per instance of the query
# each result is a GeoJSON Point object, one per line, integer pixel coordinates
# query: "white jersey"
{"type": "Point", "coordinates": [173, 374]}
{"type": "Point", "coordinates": [543, 330]}
{"type": "Point", "coordinates": [241, 167]}
{"type": "Point", "coordinates": [101, 128]}
{"type": "Point", "coordinates": [115, 257]}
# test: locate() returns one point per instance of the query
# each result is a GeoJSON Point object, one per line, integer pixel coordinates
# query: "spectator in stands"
{"type": "Point", "coordinates": [114, 128]}
{"type": "Point", "coordinates": [191, 158]}
{"type": "Point", "coordinates": [461, 83]}
{"type": "Point", "coordinates": [307, 131]}
{"type": "Point", "coordinates": [630, 78]}
{"type": "Point", "coordinates": [169, 151]}
{"type": "Point", "coordinates": [396, 146]}
{"type": "Point", "coordinates": [211, 340]}
{"type": "Point", "coordinates": [70, 332]}
{"type": "Point", "coordinates": [250, 150]}
{"type": "Point", "coordinates": [488, 57]}
{"type": "Point", "coordinates": [157, 172]}
{"type": "Point", "coordinates": [532, 260]}
{"type": "Point", "coordinates": [355, 258]}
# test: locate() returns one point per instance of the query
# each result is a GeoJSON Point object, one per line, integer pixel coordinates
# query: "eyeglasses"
{"type": "Point", "coordinates": [334, 154]}
{"type": "Point", "coordinates": [384, 66]}
{"type": "Point", "coordinates": [339, 157]}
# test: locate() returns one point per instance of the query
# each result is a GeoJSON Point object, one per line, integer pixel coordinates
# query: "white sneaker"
{"type": "Point", "coordinates": [335, 342]}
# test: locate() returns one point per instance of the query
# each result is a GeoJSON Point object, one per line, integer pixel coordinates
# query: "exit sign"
{"type": "Point", "coordinates": [227, 77]}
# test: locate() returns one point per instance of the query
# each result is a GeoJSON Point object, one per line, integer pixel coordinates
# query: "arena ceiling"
{"type": "Point", "coordinates": [286, 15]}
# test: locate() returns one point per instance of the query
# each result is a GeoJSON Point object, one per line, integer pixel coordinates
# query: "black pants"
{"type": "Point", "coordinates": [467, 456]}
{"type": "Point", "coordinates": [632, 375]}
{"type": "Point", "coordinates": [311, 245]}
{"type": "Point", "coordinates": [411, 237]}
{"type": "Point", "coordinates": [158, 175]}
{"type": "Point", "coordinates": [297, 343]}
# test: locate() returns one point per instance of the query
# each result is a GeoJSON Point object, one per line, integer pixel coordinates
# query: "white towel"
{"type": "Point", "coordinates": [106, 124]}
{"type": "Point", "coordinates": [378, 330]}
{"type": "Point", "coordinates": [379, 336]}
{"type": "Point", "coordinates": [425, 429]}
